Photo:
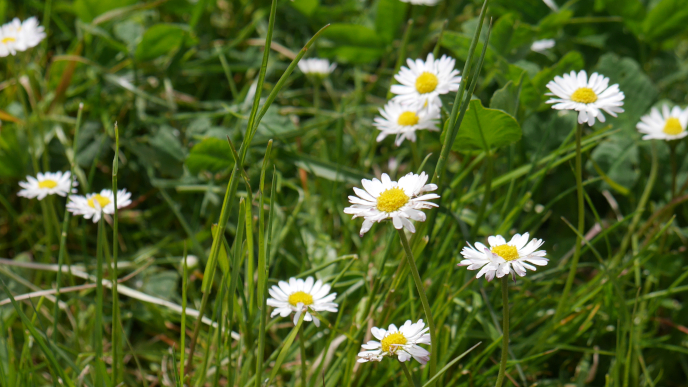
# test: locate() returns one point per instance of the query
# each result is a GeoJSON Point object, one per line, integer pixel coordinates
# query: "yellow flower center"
{"type": "Point", "coordinates": [391, 200]}
{"type": "Point", "coordinates": [47, 184]}
{"type": "Point", "coordinates": [8, 40]}
{"type": "Point", "coordinates": [426, 82]}
{"type": "Point", "coordinates": [509, 253]}
{"type": "Point", "coordinates": [407, 119]}
{"type": "Point", "coordinates": [391, 342]}
{"type": "Point", "coordinates": [584, 95]}
{"type": "Point", "coordinates": [301, 297]}
{"type": "Point", "coordinates": [102, 201]}
{"type": "Point", "coordinates": [672, 126]}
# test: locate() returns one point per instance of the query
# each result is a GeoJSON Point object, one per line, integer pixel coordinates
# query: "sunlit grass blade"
{"type": "Point", "coordinates": [116, 343]}
{"type": "Point", "coordinates": [182, 339]}
{"type": "Point", "coordinates": [98, 323]}
{"type": "Point", "coordinates": [286, 345]}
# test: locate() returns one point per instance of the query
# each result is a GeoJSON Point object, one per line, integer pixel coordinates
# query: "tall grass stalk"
{"type": "Point", "coordinates": [580, 194]}
{"type": "Point", "coordinates": [423, 297]}
{"type": "Point", "coordinates": [182, 339]}
{"type": "Point", "coordinates": [407, 374]}
{"type": "Point", "coordinates": [71, 156]}
{"type": "Point", "coordinates": [117, 359]}
{"type": "Point", "coordinates": [98, 324]}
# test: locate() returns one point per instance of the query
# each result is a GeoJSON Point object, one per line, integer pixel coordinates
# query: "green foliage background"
{"type": "Point", "coordinates": [177, 77]}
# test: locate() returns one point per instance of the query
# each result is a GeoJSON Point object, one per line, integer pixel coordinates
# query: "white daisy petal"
{"type": "Point", "coordinates": [503, 258]}
{"type": "Point", "coordinates": [315, 67]}
{"type": "Point", "coordinates": [671, 124]}
{"type": "Point", "coordinates": [402, 342]}
{"type": "Point", "coordinates": [422, 82]}
{"type": "Point", "coordinates": [301, 296]}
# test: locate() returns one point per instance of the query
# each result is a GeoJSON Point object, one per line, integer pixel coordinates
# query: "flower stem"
{"type": "Point", "coordinates": [674, 167]}
{"type": "Point", "coordinates": [581, 226]}
{"type": "Point", "coordinates": [505, 331]}
{"type": "Point", "coordinates": [423, 299]}
{"type": "Point", "coordinates": [409, 378]}
{"type": "Point", "coordinates": [304, 369]}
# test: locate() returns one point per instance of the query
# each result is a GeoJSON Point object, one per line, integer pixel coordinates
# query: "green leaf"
{"type": "Point", "coordinates": [159, 40]}
{"type": "Point", "coordinates": [459, 44]}
{"type": "Point", "coordinates": [498, 128]}
{"type": "Point", "coordinates": [616, 161]}
{"type": "Point", "coordinates": [326, 170]}
{"type": "Point", "coordinates": [511, 37]}
{"type": "Point", "coordinates": [638, 88]}
{"type": "Point", "coordinates": [165, 141]}
{"type": "Point", "coordinates": [13, 152]}
{"type": "Point", "coordinates": [351, 43]}
{"type": "Point", "coordinates": [506, 98]}
{"type": "Point", "coordinates": [211, 155]}
{"type": "Point", "coordinates": [87, 10]}
{"type": "Point", "coordinates": [667, 19]}
{"type": "Point", "coordinates": [390, 15]}
{"type": "Point", "coordinates": [306, 7]}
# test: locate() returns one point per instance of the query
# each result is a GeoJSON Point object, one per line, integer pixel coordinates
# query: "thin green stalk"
{"type": "Point", "coordinates": [625, 242]}
{"type": "Point", "coordinates": [182, 347]}
{"type": "Point", "coordinates": [116, 316]}
{"type": "Point", "coordinates": [98, 325]}
{"type": "Point", "coordinates": [65, 222]}
{"type": "Point", "coordinates": [505, 331]}
{"type": "Point", "coordinates": [423, 299]}
{"type": "Point", "coordinates": [285, 349]}
{"type": "Point", "coordinates": [304, 368]}
{"type": "Point", "coordinates": [407, 373]}
{"type": "Point", "coordinates": [581, 226]}
{"type": "Point", "coordinates": [316, 94]}
{"type": "Point", "coordinates": [674, 167]}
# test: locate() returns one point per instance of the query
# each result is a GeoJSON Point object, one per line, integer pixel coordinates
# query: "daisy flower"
{"type": "Point", "coordinates": [301, 296]}
{"type": "Point", "coordinates": [542, 45]}
{"type": "Point", "coordinates": [586, 96]}
{"type": "Point", "coordinates": [422, 2]}
{"type": "Point", "coordinates": [386, 199]}
{"type": "Point", "coordinates": [316, 67]}
{"type": "Point", "coordinates": [44, 184]}
{"type": "Point", "coordinates": [669, 125]}
{"type": "Point", "coordinates": [8, 39]}
{"type": "Point", "coordinates": [421, 83]}
{"type": "Point", "coordinates": [91, 205]}
{"type": "Point", "coordinates": [402, 342]}
{"type": "Point", "coordinates": [503, 258]}
{"type": "Point", "coordinates": [403, 121]}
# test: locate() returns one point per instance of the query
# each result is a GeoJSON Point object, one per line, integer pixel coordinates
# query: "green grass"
{"type": "Point", "coordinates": [240, 168]}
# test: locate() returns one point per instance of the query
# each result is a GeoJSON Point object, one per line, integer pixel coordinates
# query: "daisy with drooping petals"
{"type": "Point", "coordinates": [542, 45]}
{"type": "Point", "coordinates": [586, 96]}
{"type": "Point", "coordinates": [422, 82]}
{"type": "Point", "coordinates": [403, 121]}
{"type": "Point", "coordinates": [316, 67]}
{"type": "Point", "coordinates": [671, 124]}
{"type": "Point", "coordinates": [301, 296]}
{"type": "Point", "coordinates": [503, 258]}
{"type": "Point", "coordinates": [44, 184]}
{"type": "Point", "coordinates": [402, 342]}
{"type": "Point", "coordinates": [91, 205]}
{"type": "Point", "coordinates": [386, 199]}
{"type": "Point", "coordinates": [20, 36]}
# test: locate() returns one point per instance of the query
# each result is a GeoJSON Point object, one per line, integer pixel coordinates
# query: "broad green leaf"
{"type": "Point", "coordinates": [87, 10]}
{"type": "Point", "coordinates": [13, 152]}
{"type": "Point", "coordinates": [165, 141]}
{"type": "Point", "coordinates": [506, 98]}
{"type": "Point", "coordinates": [531, 10]}
{"type": "Point", "coordinates": [390, 15]}
{"type": "Point", "coordinates": [617, 158]}
{"type": "Point", "coordinates": [306, 7]}
{"type": "Point", "coordinates": [638, 88]}
{"type": "Point", "coordinates": [211, 155]}
{"type": "Point", "coordinates": [667, 19]}
{"type": "Point", "coordinates": [511, 37]}
{"type": "Point", "coordinates": [159, 40]}
{"type": "Point", "coordinates": [497, 127]}
{"type": "Point", "coordinates": [351, 43]}
{"type": "Point", "coordinates": [459, 45]}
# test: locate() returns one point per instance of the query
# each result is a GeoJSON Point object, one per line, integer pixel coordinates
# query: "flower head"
{"type": "Point", "coordinates": [386, 199]}
{"type": "Point", "coordinates": [402, 342]}
{"type": "Point", "coordinates": [316, 67]}
{"type": "Point", "coordinates": [503, 258]}
{"type": "Point", "coordinates": [91, 205]}
{"type": "Point", "coordinates": [422, 82]}
{"type": "Point", "coordinates": [671, 124]}
{"type": "Point", "coordinates": [542, 45]}
{"type": "Point", "coordinates": [44, 184]}
{"type": "Point", "coordinates": [20, 36]}
{"type": "Point", "coordinates": [403, 121]}
{"type": "Point", "coordinates": [586, 96]}
{"type": "Point", "coordinates": [301, 296]}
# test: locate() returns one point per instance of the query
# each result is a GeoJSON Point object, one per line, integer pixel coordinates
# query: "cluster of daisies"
{"type": "Point", "coordinates": [20, 36]}
{"type": "Point", "coordinates": [90, 206]}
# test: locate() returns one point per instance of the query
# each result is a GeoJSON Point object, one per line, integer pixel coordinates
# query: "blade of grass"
{"type": "Point", "coordinates": [182, 347]}
{"type": "Point", "coordinates": [285, 348]}
{"type": "Point", "coordinates": [98, 324]}
{"type": "Point", "coordinates": [117, 359]}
